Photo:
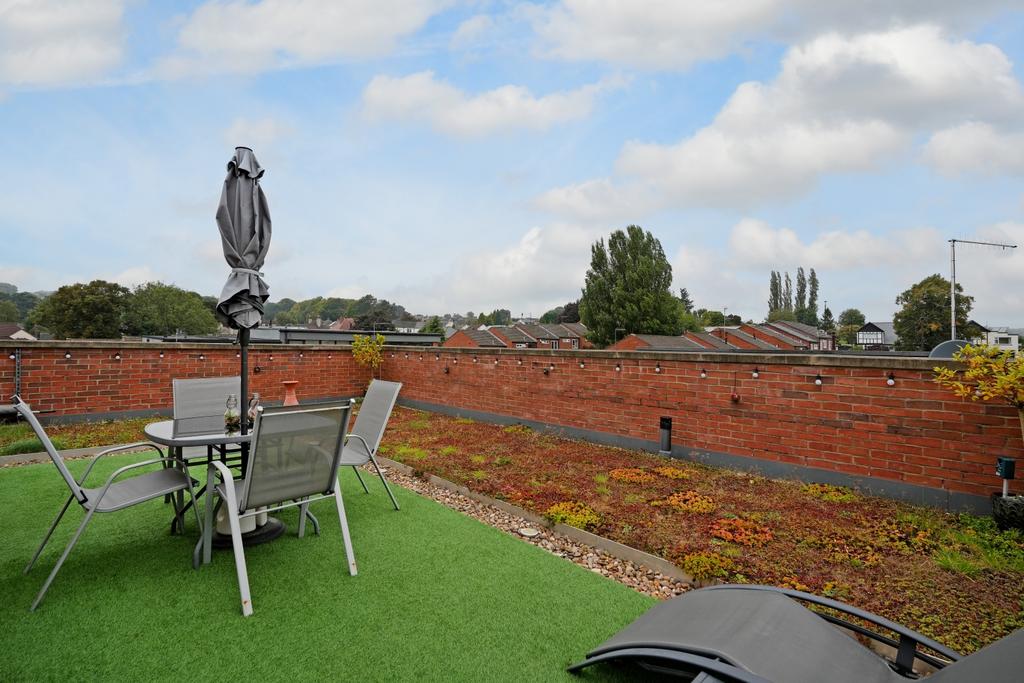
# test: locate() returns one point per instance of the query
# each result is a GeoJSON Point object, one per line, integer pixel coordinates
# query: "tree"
{"type": "Point", "coordinates": [690, 322]}
{"type": "Point", "coordinates": [733, 319]}
{"type": "Point", "coordinates": [377, 318]}
{"type": "Point", "coordinates": [83, 311]}
{"type": "Point", "coordinates": [852, 316]}
{"type": "Point", "coordinates": [570, 313]}
{"type": "Point", "coordinates": [24, 301]}
{"type": "Point", "coordinates": [850, 321]}
{"type": "Point", "coordinates": [710, 318]}
{"type": "Point", "coordinates": [159, 309]}
{"type": "Point", "coordinates": [801, 290]}
{"type": "Point", "coordinates": [787, 294]}
{"type": "Point", "coordinates": [433, 326]}
{"type": "Point", "coordinates": [334, 308]}
{"type": "Point", "coordinates": [551, 316]}
{"type": "Point", "coordinates": [923, 319]}
{"type": "Point", "coordinates": [781, 314]}
{"type": "Point", "coordinates": [774, 292]}
{"type": "Point", "coordinates": [828, 323]}
{"type": "Point", "coordinates": [368, 351]}
{"type": "Point", "coordinates": [685, 300]}
{"type": "Point", "coordinates": [812, 299]}
{"type": "Point", "coordinates": [9, 313]}
{"type": "Point", "coordinates": [627, 287]}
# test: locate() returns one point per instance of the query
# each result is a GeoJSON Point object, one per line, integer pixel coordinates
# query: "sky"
{"type": "Point", "coordinates": [458, 156]}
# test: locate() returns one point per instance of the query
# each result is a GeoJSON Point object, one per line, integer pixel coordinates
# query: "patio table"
{"type": "Point", "coordinates": [179, 434]}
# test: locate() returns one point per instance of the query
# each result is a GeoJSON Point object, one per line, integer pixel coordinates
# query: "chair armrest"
{"type": "Point", "coordinates": [908, 639]}
{"type": "Point", "coordinates": [116, 449]}
{"type": "Point", "coordinates": [227, 477]}
{"type": "Point", "coordinates": [365, 442]}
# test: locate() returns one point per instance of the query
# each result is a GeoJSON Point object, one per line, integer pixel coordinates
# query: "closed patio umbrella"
{"type": "Point", "coordinates": [243, 218]}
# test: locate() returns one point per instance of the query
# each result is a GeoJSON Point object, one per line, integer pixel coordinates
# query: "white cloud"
{"type": "Point", "coordinates": [422, 96]}
{"type": "Point", "coordinates": [250, 37]}
{"type": "Point", "coordinates": [133, 276]}
{"type": "Point", "coordinates": [976, 147]}
{"type": "Point", "coordinates": [839, 104]}
{"type": "Point", "coordinates": [472, 31]}
{"type": "Point", "coordinates": [599, 199]}
{"type": "Point", "coordinates": [675, 34]}
{"type": "Point", "coordinates": [755, 243]}
{"type": "Point", "coordinates": [256, 133]}
{"type": "Point", "coordinates": [56, 42]}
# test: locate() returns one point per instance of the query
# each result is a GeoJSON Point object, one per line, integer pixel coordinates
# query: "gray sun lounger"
{"type": "Point", "coordinates": [757, 634]}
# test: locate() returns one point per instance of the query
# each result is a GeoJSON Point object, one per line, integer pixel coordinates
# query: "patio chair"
{"type": "Point", "coordinates": [115, 493]}
{"type": "Point", "coordinates": [202, 402]}
{"type": "Point", "coordinates": [756, 634]}
{"type": "Point", "coordinates": [364, 439]}
{"type": "Point", "coordinates": [307, 473]}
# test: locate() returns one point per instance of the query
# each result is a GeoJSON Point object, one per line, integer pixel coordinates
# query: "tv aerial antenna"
{"type": "Point", "coordinates": [952, 276]}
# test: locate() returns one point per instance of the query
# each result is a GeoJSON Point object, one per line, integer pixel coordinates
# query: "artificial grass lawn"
{"type": "Point", "coordinates": [439, 596]}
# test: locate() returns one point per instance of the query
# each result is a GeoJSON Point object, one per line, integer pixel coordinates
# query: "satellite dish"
{"type": "Point", "coordinates": [947, 348]}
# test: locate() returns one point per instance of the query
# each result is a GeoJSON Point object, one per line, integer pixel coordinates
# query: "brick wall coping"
{"type": "Point", "coordinates": [753, 358]}
{"type": "Point", "coordinates": [832, 360]}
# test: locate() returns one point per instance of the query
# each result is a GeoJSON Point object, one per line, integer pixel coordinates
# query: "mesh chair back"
{"type": "Point", "coordinates": [199, 404]}
{"type": "Point", "coordinates": [26, 412]}
{"type": "Point", "coordinates": [374, 414]}
{"type": "Point", "coordinates": [294, 454]}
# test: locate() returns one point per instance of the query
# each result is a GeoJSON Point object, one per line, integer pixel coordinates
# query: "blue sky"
{"type": "Point", "coordinates": [458, 156]}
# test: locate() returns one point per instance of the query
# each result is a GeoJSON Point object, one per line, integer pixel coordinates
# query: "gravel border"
{"type": "Point", "coordinates": [639, 578]}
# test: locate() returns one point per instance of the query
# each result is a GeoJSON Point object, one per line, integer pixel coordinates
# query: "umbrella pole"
{"type": "Point", "coordinates": [243, 343]}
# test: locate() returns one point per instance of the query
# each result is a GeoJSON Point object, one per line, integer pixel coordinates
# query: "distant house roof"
{"type": "Point", "coordinates": [711, 340]}
{"type": "Point", "coordinates": [561, 331]}
{"type": "Point", "coordinates": [887, 329]}
{"type": "Point", "coordinates": [579, 328]}
{"type": "Point", "coordinates": [343, 324]}
{"type": "Point", "coordinates": [513, 334]}
{"type": "Point", "coordinates": [809, 329]}
{"type": "Point", "coordinates": [736, 333]}
{"type": "Point", "coordinates": [537, 331]}
{"type": "Point", "coordinates": [777, 334]}
{"type": "Point", "coordinates": [14, 331]}
{"type": "Point", "coordinates": [665, 342]}
{"type": "Point", "coordinates": [793, 330]}
{"type": "Point", "coordinates": [484, 338]}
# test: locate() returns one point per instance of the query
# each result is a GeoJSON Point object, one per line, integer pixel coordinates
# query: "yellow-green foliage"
{"type": "Point", "coordinates": [517, 429]}
{"type": "Point", "coordinates": [410, 453]}
{"type": "Point", "coordinates": [689, 501]}
{"type": "Point", "coordinates": [673, 472]}
{"type": "Point", "coordinates": [633, 475]}
{"type": "Point", "coordinates": [574, 514]}
{"type": "Point", "coordinates": [368, 350]}
{"type": "Point", "coordinates": [829, 493]}
{"type": "Point", "coordinates": [991, 375]}
{"type": "Point", "coordinates": [705, 566]}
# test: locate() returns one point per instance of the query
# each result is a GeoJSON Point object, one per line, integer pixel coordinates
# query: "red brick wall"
{"type": "Point", "coordinates": [460, 340]}
{"type": "Point", "coordinates": [93, 381]}
{"type": "Point", "coordinates": [629, 343]}
{"type": "Point", "coordinates": [914, 432]}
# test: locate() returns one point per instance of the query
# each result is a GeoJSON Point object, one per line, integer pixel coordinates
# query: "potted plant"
{"type": "Point", "coordinates": [368, 351]}
{"type": "Point", "coordinates": [998, 376]}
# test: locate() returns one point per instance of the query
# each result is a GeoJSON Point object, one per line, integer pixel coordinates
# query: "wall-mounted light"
{"type": "Point", "coordinates": [271, 357]}
{"type": "Point", "coordinates": [551, 366]}
{"type": "Point", "coordinates": [756, 373]}
{"type": "Point", "coordinates": [618, 367]}
{"type": "Point", "coordinates": [437, 356]}
{"type": "Point", "coordinates": [703, 373]}
{"type": "Point", "coordinates": [12, 357]}
{"type": "Point", "coordinates": [519, 361]}
{"type": "Point", "coordinates": [891, 380]}
{"type": "Point", "coordinates": [392, 355]}
{"type": "Point", "coordinates": [161, 354]}
{"type": "Point", "coordinates": [407, 356]}
{"type": "Point", "coordinates": [455, 360]}
{"type": "Point", "coordinates": [238, 354]}
{"type": "Point", "coordinates": [67, 355]}
{"type": "Point", "coordinates": [330, 356]}
{"type": "Point", "coordinates": [495, 360]}
{"type": "Point", "coordinates": [202, 356]}
{"type": "Point", "coordinates": [582, 365]}
{"type": "Point", "coordinates": [475, 359]}
{"type": "Point", "coordinates": [657, 368]}
{"type": "Point", "coordinates": [817, 380]}
{"type": "Point", "coordinates": [446, 370]}
{"type": "Point", "coordinates": [302, 355]}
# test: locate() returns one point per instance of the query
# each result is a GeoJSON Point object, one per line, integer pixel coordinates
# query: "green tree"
{"type": "Point", "coordinates": [377, 318]}
{"type": "Point", "coordinates": [551, 316]}
{"type": "Point", "coordinates": [812, 299]}
{"type": "Point", "coordinates": [774, 292]}
{"type": "Point", "coordinates": [828, 323]}
{"type": "Point", "coordinates": [801, 291]}
{"type": "Point", "coordinates": [334, 308]}
{"type": "Point", "coordinates": [781, 314]}
{"type": "Point", "coordinates": [690, 322]}
{"type": "Point", "coordinates": [627, 286]}
{"type": "Point", "coordinates": [9, 312]}
{"type": "Point", "coordinates": [83, 311]}
{"type": "Point", "coordinates": [159, 309]}
{"type": "Point", "coordinates": [24, 301]}
{"type": "Point", "coordinates": [685, 300]}
{"type": "Point", "coordinates": [570, 313]}
{"type": "Point", "coordinates": [710, 318]}
{"type": "Point", "coordinates": [852, 316]}
{"type": "Point", "coordinates": [923, 319]}
{"type": "Point", "coordinates": [787, 294]}
{"type": "Point", "coordinates": [850, 320]}
{"type": "Point", "coordinates": [433, 326]}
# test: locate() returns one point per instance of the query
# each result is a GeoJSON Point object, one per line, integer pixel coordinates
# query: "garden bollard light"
{"type": "Point", "coordinates": [1006, 468]}
{"type": "Point", "coordinates": [666, 435]}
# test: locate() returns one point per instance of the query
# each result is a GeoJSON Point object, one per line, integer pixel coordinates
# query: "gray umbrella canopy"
{"type": "Point", "coordinates": [244, 221]}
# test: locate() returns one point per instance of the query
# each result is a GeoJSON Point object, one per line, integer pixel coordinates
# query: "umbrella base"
{"type": "Point", "coordinates": [274, 528]}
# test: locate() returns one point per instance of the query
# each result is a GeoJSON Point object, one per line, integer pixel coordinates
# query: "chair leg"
{"type": "Point", "coordinates": [315, 521]}
{"type": "Point", "coordinates": [239, 551]}
{"type": "Point", "coordinates": [302, 519]}
{"type": "Point", "coordinates": [49, 533]}
{"type": "Point", "coordinates": [209, 510]}
{"type": "Point", "coordinates": [350, 556]}
{"type": "Point", "coordinates": [385, 482]}
{"type": "Point", "coordinates": [360, 478]}
{"type": "Point", "coordinates": [60, 562]}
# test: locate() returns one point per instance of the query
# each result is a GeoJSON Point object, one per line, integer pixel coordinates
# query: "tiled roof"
{"type": "Point", "coordinates": [715, 342]}
{"type": "Point", "coordinates": [561, 331]}
{"type": "Point", "coordinates": [739, 334]}
{"type": "Point", "coordinates": [789, 328]}
{"type": "Point", "coordinates": [7, 329]}
{"type": "Point", "coordinates": [514, 335]}
{"type": "Point", "coordinates": [666, 342]}
{"type": "Point", "coordinates": [537, 331]}
{"type": "Point", "coordinates": [484, 338]}
{"type": "Point", "coordinates": [776, 334]}
{"type": "Point", "coordinates": [579, 328]}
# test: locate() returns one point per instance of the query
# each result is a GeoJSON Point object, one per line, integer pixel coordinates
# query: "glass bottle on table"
{"type": "Point", "coordinates": [232, 418]}
{"type": "Point", "coordinates": [254, 406]}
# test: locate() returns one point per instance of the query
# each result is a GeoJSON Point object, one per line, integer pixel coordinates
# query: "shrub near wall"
{"type": "Point", "coordinates": [109, 377]}
{"type": "Point", "coordinates": [854, 423]}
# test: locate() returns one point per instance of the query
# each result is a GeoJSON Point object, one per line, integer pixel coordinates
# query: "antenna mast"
{"type": "Point", "coordinates": [952, 277]}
